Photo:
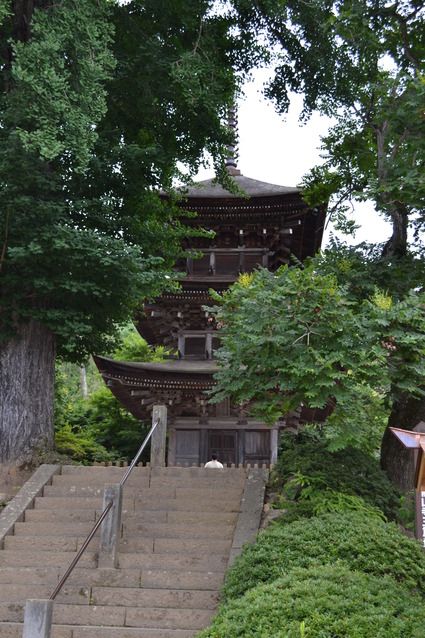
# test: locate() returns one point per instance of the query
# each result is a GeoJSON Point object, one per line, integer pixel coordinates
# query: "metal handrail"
{"type": "Point", "coordinates": [101, 517]}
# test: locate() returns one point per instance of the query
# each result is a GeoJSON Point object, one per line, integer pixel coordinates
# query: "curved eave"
{"type": "Point", "coordinates": [131, 372]}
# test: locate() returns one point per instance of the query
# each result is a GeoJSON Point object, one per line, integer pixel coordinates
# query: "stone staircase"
{"type": "Point", "coordinates": [180, 529]}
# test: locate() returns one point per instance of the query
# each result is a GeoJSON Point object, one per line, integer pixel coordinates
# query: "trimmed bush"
{"type": "Point", "coordinates": [350, 471]}
{"type": "Point", "coordinates": [331, 601]}
{"type": "Point", "coordinates": [360, 543]}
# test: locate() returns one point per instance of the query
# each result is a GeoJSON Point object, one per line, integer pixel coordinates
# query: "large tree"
{"type": "Point", "coordinates": [100, 102]}
{"type": "Point", "coordinates": [361, 62]}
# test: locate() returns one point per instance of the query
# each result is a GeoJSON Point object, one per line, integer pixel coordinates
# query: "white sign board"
{"type": "Point", "coordinates": [423, 516]}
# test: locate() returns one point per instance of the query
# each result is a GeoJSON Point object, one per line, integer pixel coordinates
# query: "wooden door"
{"type": "Point", "coordinates": [257, 447]}
{"type": "Point", "coordinates": [187, 447]}
{"type": "Point", "coordinates": [224, 443]}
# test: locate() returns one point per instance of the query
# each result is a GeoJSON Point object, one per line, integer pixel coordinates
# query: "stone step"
{"type": "Point", "coordinates": [200, 529]}
{"type": "Point", "coordinates": [128, 632]}
{"type": "Point", "coordinates": [158, 598]}
{"type": "Point", "coordinates": [88, 471]}
{"type": "Point", "coordinates": [133, 617]}
{"type": "Point", "coordinates": [71, 502]}
{"type": "Point", "coordinates": [34, 543]}
{"type": "Point", "coordinates": [18, 593]}
{"type": "Point", "coordinates": [29, 575]}
{"type": "Point", "coordinates": [152, 578]}
{"type": "Point", "coordinates": [139, 504]}
{"type": "Point", "coordinates": [22, 559]}
{"type": "Point", "coordinates": [187, 580]}
{"type": "Point", "coordinates": [99, 480]}
{"type": "Point", "coordinates": [39, 515]}
{"type": "Point", "coordinates": [198, 482]}
{"type": "Point", "coordinates": [145, 545]}
{"type": "Point", "coordinates": [14, 630]}
{"type": "Point", "coordinates": [75, 489]}
{"type": "Point", "coordinates": [141, 528]}
{"type": "Point", "coordinates": [28, 558]}
{"type": "Point", "coordinates": [219, 518]}
{"type": "Point", "coordinates": [54, 529]}
{"type": "Point", "coordinates": [87, 576]}
{"type": "Point", "coordinates": [198, 503]}
{"type": "Point", "coordinates": [193, 562]}
{"type": "Point", "coordinates": [173, 546]}
{"type": "Point", "coordinates": [210, 494]}
{"type": "Point", "coordinates": [148, 516]}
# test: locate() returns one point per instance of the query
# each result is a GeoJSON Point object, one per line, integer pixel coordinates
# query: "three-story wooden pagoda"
{"type": "Point", "coordinates": [265, 226]}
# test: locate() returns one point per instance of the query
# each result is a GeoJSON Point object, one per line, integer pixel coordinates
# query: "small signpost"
{"type": "Point", "coordinates": [415, 440]}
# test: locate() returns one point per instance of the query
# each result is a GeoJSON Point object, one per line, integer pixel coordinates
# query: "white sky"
{"type": "Point", "coordinates": [280, 151]}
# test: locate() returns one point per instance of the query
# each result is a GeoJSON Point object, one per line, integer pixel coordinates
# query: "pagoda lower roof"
{"type": "Point", "coordinates": [182, 369]}
{"type": "Point", "coordinates": [132, 384]}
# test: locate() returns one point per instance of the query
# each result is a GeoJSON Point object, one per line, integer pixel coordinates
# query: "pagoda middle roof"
{"type": "Point", "coordinates": [209, 188]}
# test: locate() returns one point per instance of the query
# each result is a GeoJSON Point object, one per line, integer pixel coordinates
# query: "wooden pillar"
{"type": "Point", "coordinates": [159, 436]}
{"type": "Point", "coordinates": [240, 447]}
{"type": "Point", "coordinates": [273, 446]}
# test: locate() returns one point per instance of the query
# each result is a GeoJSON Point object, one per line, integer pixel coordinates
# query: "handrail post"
{"type": "Point", "coordinates": [159, 415]}
{"type": "Point", "coordinates": [110, 531]}
{"type": "Point", "coordinates": [38, 619]}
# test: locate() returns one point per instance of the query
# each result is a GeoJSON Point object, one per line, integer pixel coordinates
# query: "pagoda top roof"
{"type": "Point", "coordinates": [209, 188]}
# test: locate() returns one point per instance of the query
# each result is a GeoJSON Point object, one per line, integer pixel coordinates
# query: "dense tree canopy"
{"type": "Point", "coordinates": [100, 102]}
{"type": "Point", "coordinates": [313, 335]}
{"type": "Point", "coordinates": [99, 105]}
{"type": "Point", "coordinates": [361, 62]}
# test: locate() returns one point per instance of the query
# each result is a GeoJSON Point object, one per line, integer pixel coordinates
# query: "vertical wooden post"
{"type": "Point", "coordinates": [159, 436]}
{"type": "Point", "coordinates": [273, 445]}
{"type": "Point", "coordinates": [110, 530]}
{"type": "Point", "coordinates": [38, 619]}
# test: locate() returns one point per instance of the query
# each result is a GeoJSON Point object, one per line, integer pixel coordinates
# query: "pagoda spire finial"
{"type": "Point", "coordinates": [232, 123]}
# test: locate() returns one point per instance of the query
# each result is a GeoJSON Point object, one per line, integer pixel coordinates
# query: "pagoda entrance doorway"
{"type": "Point", "coordinates": [224, 443]}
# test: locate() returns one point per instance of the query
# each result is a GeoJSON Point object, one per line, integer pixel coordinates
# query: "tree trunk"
{"type": "Point", "coordinates": [27, 378]}
{"type": "Point", "coordinates": [396, 460]}
{"type": "Point", "coordinates": [83, 381]}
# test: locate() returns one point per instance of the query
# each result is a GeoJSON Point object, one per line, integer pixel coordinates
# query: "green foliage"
{"type": "Point", "coordinates": [114, 428]}
{"type": "Point", "coordinates": [322, 499]}
{"type": "Point", "coordinates": [350, 472]}
{"type": "Point", "coordinates": [352, 539]}
{"type": "Point", "coordinates": [357, 421]}
{"type": "Point", "coordinates": [406, 512]}
{"type": "Point", "coordinates": [59, 76]}
{"type": "Point", "coordinates": [310, 335]}
{"type": "Point", "coordinates": [97, 428]}
{"type": "Point", "coordinates": [330, 600]}
{"type": "Point", "coordinates": [94, 120]}
{"type": "Point", "coordinates": [131, 347]}
{"type": "Point", "coordinates": [361, 62]}
{"type": "Point", "coordinates": [81, 446]}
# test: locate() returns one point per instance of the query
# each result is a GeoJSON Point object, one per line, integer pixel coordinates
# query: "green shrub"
{"type": "Point", "coordinates": [114, 428]}
{"type": "Point", "coordinates": [331, 601]}
{"type": "Point", "coordinates": [359, 542]}
{"type": "Point", "coordinates": [350, 471]}
{"type": "Point", "coordinates": [81, 446]}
